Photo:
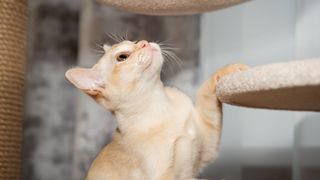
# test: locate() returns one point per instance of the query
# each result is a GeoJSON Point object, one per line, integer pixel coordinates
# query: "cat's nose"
{"type": "Point", "coordinates": [142, 44]}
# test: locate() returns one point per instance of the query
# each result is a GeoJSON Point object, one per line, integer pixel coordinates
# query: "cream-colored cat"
{"type": "Point", "coordinates": [161, 134]}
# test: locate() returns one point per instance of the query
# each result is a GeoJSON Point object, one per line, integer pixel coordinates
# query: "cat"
{"type": "Point", "coordinates": [161, 134]}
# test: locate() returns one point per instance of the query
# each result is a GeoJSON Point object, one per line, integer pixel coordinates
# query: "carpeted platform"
{"type": "Point", "coordinates": [291, 85]}
{"type": "Point", "coordinates": [170, 7]}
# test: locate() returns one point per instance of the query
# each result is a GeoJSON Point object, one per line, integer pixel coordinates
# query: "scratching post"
{"type": "Point", "coordinates": [291, 85]}
{"type": "Point", "coordinates": [12, 62]}
{"type": "Point", "coordinates": [170, 7]}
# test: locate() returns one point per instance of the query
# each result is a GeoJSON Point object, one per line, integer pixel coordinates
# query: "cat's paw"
{"type": "Point", "coordinates": [209, 86]}
{"type": "Point", "coordinates": [229, 69]}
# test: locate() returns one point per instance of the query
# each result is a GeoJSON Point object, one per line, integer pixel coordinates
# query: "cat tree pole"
{"type": "Point", "coordinates": [12, 61]}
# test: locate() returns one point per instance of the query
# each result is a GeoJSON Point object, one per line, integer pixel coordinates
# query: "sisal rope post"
{"type": "Point", "coordinates": [13, 19]}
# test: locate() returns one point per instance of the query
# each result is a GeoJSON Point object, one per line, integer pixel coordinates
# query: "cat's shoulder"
{"type": "Point", "coordinates": [177, 95]}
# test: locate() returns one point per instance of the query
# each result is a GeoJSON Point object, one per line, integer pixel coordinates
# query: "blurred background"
{"type": "Point", "coordinates": [64, 129]}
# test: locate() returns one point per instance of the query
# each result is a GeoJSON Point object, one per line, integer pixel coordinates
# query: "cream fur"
{"type": "Point", "coordinates": [161, 134]}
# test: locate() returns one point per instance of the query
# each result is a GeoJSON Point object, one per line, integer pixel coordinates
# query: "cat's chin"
{"type": "Point", "coordinates": [155, 47]}
{"type": "Point", "coordinates": [154, 61]}
{"type": "Point", "coordinates": [156, 53]}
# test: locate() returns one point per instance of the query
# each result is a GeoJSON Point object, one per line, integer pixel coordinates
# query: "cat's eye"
{"type": "Point", "coordinates": [122, 57]}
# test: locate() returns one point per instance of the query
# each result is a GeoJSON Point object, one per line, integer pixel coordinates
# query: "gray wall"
{"type": "Point", "coordinates": [50, 101]}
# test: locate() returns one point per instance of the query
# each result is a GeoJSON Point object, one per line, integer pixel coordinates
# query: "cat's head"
{"type": "Point", "coordinates": [126, 69]}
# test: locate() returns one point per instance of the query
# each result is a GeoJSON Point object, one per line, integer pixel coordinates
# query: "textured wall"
{"type": "Point", "coordinates": [50, 109]}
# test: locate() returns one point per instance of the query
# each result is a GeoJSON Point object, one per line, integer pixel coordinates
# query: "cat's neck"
{"type": "Point", "coordinates": [144, 112]}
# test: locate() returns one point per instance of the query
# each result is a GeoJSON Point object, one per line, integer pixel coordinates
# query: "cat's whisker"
{"type": "Point", "coordinates": [121, 37]}
{"type": "Point", "coordinates": [170, 60]}
{"type": "Point", "coordinates": [178, 60]}
{"type": "Point", "coordinates": [114, 37]}
{"type": "Point", "coordinates": [166, 42]}
{"type": "Point", "coordinates": [167, 66]}
{"type": "Point", "coordinates": [98, 45]}
{"type": "Point", "coordinates": [118, 38]}
{"type": "Point", "coordinates": [172, 57]}
{"type": "Point", "coordinates": [166, 45]}
{"type": "Point", "coordinates": [126, 35]}
{"type": "Point", "coordinates": [97, 51]}
{"type": "Point", "coordinates": [95, 56]}
{"type": "Point", "coordinates": [110, 35]}
{"type": "Point", "coordinates": [170, 48]}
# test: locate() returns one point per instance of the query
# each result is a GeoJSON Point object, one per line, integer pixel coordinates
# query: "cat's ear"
{"type": "Point", "coordinates": [106, 47]}
{"type": "Point", "coordinates": [88, 80]}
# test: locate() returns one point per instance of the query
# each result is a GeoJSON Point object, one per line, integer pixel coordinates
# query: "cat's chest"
{"type": "Point", "coordinates": [157, 154]}
{"type": "Point", "coordinates": [159, 147]}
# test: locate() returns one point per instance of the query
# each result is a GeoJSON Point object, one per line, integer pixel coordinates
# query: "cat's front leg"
{"type": "Point", "coordinates": [209, 110]}
{"type": "Point", "coordinates": [184, 157]}
{"type": "Point", "coordinates": [208, 105]}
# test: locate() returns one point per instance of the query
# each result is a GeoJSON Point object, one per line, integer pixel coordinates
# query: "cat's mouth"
{"type": "Point", "coordinates": [152, 56]}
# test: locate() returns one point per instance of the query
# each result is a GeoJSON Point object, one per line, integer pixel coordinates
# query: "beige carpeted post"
{"type": "Point", "coordinates": [12, 63]}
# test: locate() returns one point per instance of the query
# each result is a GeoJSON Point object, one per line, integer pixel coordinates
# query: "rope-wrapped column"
{"type": "Point", "coordinates": [13, 18]}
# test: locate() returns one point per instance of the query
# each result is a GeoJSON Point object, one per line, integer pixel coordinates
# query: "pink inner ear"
{"type": "Point", "coordinates": [85, 79]}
